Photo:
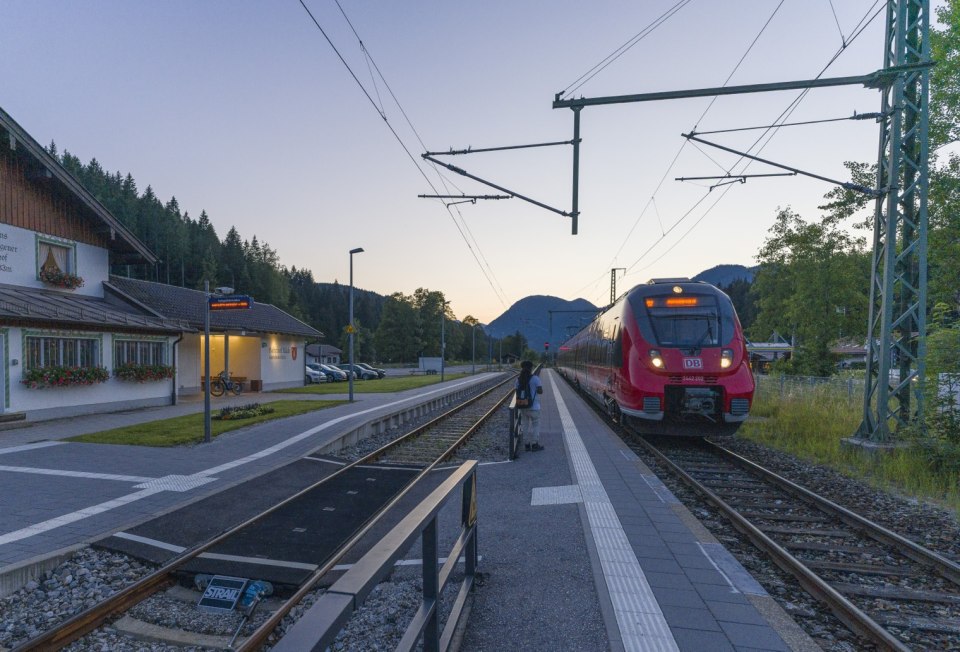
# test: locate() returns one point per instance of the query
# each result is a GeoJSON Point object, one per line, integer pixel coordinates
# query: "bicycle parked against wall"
{"type": "Point", "coordinates": [222, 384]}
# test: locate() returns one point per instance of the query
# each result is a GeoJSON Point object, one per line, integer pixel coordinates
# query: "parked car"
{"type": "Point", "coordinates": [334, 374]}
{"type": "Point", "coordinates": [360, 372]}
{"type": "Point", "coordinates": [380, 372]}
{"type": "Point", "coordinates": [311, 375]}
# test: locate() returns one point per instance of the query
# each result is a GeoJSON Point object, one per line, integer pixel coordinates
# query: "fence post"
{"type": "Point", "coordinates": [782, 381]}
{"type": "Point", "coordinates": [468, 520]}
{"type": "Point", "coordinates": [431, 582]}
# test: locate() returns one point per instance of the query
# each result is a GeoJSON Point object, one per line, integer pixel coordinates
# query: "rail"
{"type": "Point", "coordinates": [317, 629]}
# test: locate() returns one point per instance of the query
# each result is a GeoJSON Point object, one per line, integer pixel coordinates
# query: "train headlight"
{"type": "Point", "coordinates": [655, 359]}
{"type": "Point", "coordinates": [726, 358]}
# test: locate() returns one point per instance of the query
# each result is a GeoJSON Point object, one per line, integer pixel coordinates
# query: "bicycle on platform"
{"type": "Point", "coordinates": [222, 384]}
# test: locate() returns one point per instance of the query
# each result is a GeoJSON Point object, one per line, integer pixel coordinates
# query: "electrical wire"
{"type": "Point", "coordinates": [473, 250]}
{"type": "Point", "coordinates": [785, 114]}
{"type": "Point", "coordinates": [444, 180]}
{"type": "Point", "coordinates": [843, 39]}
{"type": "Point", "coordinates": [620, 51]}
{"type": "Point", "coordinates": [861, 26]}
{"type": "Point", "coordinates": [699, 120]}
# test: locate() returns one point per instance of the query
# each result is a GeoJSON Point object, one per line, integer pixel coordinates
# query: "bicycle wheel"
{"type": "Point", "coordinates": [236, 388]}
{"type": "Point", "coordinates": [217, 388]}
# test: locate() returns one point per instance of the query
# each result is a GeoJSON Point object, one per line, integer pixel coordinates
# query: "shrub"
{"type": "Point", "coordinates": [142, 373]}
{"type": "Point", "coordinates": [243, 411]}
{"type": "Point", "coordinates": [63, 376]}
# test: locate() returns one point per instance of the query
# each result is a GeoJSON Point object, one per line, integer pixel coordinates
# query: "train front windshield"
{"type": "Point", "coordinates": [687, 322]}
{"type": "Point", "coordinates": [684, 330]}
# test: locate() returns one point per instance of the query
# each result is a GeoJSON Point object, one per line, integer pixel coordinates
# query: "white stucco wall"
{"type": "Point", "coordinates": [18, 261]}
{"type": "Point", "coordinates": [189, 365]}
{"type": "Point", "coordinates": [52, 402]}
{"type": "Point", "coordinates": [282, 361]}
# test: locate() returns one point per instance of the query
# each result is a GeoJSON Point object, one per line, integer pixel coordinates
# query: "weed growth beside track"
{"type": "Point", "coordinates": [810, 420]}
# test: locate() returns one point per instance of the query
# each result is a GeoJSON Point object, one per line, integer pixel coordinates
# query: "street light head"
{"type": "Point", "coordinates": [357, 250]}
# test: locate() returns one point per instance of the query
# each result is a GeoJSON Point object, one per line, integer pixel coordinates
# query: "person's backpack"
{"type": "Point", "coordinates": [524, 398]}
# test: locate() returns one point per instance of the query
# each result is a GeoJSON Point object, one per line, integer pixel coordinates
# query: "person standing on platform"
{"type": "Point", "coordinates": [530, 384]}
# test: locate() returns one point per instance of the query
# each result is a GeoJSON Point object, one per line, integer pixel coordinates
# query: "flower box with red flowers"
{"type": "Point", "coordinates": [142, 373]}
{"type": "Point", "coordinates": [64, 376]}
{"type": "Point", "coordinates": [52, 276]}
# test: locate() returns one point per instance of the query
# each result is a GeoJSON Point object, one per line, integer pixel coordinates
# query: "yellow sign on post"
{"type": "Point", "coordinates": [349, 328]}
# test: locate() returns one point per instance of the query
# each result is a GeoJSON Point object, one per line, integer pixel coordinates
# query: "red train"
{"type": "Point", "coordinates": [669, 356]}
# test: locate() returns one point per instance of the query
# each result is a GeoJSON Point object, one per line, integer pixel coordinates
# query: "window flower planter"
{"type": "Point", "coordinates": [60, 279]}
{"type": "Point", "coordinates": [64, 376]}
{"type": "Point", "coordinates": [142, 373]}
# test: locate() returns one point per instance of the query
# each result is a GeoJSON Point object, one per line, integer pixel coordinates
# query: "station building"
{"type": "Point", "coordinates": [75, 340]}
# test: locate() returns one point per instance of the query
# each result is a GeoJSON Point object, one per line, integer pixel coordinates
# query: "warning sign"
{"type": "Point", "coordinates": [222, 594]}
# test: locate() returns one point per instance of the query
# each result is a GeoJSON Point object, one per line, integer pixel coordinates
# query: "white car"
{"type": "Point", "coordinates": [313, 376]}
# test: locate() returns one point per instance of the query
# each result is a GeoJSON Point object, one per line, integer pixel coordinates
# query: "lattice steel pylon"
{"type": "Point", "coordinates": [896, 331]}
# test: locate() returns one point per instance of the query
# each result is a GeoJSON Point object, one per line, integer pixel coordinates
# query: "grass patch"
{"type": "Point", "coordinates": [188, 429]}
{"type": "Point", "coordinates": [810, 423]}
{"type": "Point", "coordinates": [381, 385]}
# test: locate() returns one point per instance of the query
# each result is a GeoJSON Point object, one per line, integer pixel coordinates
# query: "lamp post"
{"type": "Point", "coordinates": [473, 350]}
{"type": "Point", "coordinates": [206, 361]}
{"type": "Point", "coordinates": [350, 332]}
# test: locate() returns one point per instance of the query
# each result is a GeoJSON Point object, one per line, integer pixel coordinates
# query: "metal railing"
{"type": "Point", "coordinates": [318, 627]}
{"type": "Point", "coordinates": [795, 386]}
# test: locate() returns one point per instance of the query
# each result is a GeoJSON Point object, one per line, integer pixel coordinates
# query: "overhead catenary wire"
{"type": "Point", "coordinates": [473, 249]}
{"type": "Point", "coordinates": [620, 51]}
{"type": "Point", "coordinates": [706, 110]}
{"type": "Point", "coordinates": [769, 133]}
{"type": "Point", "coordinates": [784, 115]}
{"type": "Point", "coordinates": [869, 16]}
{"type": "Point", "coordinates": [437, 170]}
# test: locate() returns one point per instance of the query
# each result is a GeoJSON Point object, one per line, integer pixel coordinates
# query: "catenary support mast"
{"type": "Point", "coordinates": [898, 293]}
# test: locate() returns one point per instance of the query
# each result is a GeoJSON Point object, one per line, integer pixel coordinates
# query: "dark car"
{"type": "Point", "coordinates": [380, 372]}
{"type": "Point", "coordinates": [359, 372]}
{"type": "Point", "coordinates": [333, 373]}
{"type": "Point", "coordinates": [330, 375]}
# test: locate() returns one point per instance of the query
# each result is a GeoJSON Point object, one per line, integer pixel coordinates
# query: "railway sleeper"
{"type": "Point", "coordinates": [897, 593]}
{"type": "Point", "coordinates": [917, 623]}
{"type": "Point", "coordinates": [861, 569]}
{"type": "Point", "coordinates": [828, 547]}
{"type": "Point", "coordinates": [839, 534]}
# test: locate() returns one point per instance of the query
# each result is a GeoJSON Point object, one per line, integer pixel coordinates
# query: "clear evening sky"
{"type": "Point", "coordinates": [243, 109]}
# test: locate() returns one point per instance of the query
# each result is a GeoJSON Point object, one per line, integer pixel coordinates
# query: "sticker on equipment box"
{"type": "Point", "coordinates": [222, 594]}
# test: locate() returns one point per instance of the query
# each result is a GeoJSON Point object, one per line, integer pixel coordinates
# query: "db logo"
{"type": "Point", "coordinates": [692, 363]}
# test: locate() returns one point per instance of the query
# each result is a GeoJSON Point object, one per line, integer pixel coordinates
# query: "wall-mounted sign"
{"type": "Point", "coordinates": [234, 302]}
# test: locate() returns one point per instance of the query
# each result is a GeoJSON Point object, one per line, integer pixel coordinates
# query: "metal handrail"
{"type": "Point", "coordinates": [317, 629]}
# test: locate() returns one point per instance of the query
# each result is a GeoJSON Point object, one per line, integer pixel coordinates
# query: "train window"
{"type": "Point", "coordinates": [686, 330]}
{"type": "Point", "coordinates": [617, 346]}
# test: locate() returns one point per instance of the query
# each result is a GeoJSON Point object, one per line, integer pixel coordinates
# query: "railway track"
{"type": "Point", "coordinates": [424, 448]}
{"type": "Point", "coordinates": [884, 587]}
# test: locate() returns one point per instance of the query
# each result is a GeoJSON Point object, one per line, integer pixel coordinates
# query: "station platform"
{"type": "Point", "coordinates": [58, 495]}
{"type": "Point", "coordinates": [582, 546]}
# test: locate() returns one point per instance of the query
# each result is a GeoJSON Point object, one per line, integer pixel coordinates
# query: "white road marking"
{"type": "Point", "coordinates": [639, 618]}
{"type": "Point", "coordinates": [75, 474]}
{"type": "Point", "coordinates": [73, 517]}
{"type": "Point", "coordinates": [29, 447]}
